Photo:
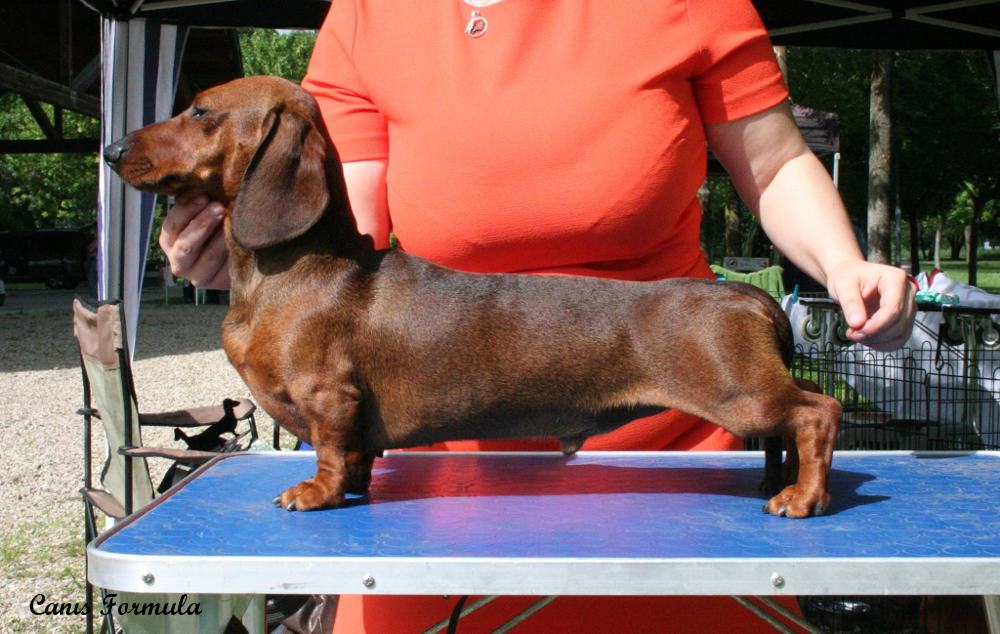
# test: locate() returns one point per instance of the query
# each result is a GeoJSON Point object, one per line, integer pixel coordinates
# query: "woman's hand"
{"type": "Point", "coordinates": [191, 238]}
{"type": "Point", "coordinates": [877, 300]}
{"type": "Point", "coordinates": [792, 195]}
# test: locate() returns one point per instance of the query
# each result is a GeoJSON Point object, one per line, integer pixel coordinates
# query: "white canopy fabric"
{"type": "Point", "coordinates": [140, 64]}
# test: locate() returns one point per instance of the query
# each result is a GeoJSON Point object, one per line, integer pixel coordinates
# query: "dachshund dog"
{"type": "Point", "coordinates": [357, 351]}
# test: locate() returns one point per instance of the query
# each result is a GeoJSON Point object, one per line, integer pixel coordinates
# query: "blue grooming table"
{"type": "Point", "coordinates": [543, 524]}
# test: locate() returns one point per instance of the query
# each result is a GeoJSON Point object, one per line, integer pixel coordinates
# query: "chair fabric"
{"type": "Point", "coordinates": [100, 333]}
{"type": "Point", "coordinates": [109, 395]}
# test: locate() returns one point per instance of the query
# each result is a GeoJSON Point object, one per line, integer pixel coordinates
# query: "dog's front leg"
{"type": "Point", "coordinates": [331, 415]}
{"type": "Point", "coordinates": [325, 489]}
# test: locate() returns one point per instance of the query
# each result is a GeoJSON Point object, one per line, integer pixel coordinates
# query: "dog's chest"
{"type": "Point", "coordinates": [247, 353]}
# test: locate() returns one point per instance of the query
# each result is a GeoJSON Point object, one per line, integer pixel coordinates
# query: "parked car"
{"type": "Point", "coordinates": [56, 257]}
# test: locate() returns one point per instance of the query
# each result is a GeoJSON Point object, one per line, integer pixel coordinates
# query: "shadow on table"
{"type": "Point", "coordinates": [538, 477]}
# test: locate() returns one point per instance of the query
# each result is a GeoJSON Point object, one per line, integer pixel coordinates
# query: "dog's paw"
{"type": "Point", "coordinates": [309, 496]}
{"type": "Point", "coordinates": [794, 501]}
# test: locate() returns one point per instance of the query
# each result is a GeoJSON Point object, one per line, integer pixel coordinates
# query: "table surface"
{"type": "Point", "coordinates": [594, 523]}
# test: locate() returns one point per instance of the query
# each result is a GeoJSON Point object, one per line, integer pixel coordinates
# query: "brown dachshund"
{"type": "Point", "coordinates": [356, 350]}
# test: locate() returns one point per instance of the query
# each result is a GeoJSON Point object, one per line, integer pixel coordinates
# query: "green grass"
{"type": "Point", "coordinates": [988, 273]}
{"type": "Point", "coordinates": [13, 547]}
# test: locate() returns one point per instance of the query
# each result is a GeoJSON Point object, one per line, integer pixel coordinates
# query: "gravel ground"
{"type": "Point", "coordinates": [179, 362]}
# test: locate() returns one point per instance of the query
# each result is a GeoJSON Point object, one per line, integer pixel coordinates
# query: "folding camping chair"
{"type": "Point", "coordinates": [125, 483]}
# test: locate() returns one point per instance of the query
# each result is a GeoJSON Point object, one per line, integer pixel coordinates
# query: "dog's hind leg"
{"type": "Point", "coordinates": [571, 445]}
{"type": "Point", "coordinates": [778, 474]}
{"type": "Point", "coordinates": [359, 471]}
{"type": "Point", "coordinates": [774, 477]}
{"type": "Point", "coordinates": [813, 421]}
{"type": "Point", "coordinates": [783, 409]}
{"type": "Point", "coordinates": [790, 468]}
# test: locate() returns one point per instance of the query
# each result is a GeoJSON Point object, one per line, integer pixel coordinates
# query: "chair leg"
{"type": "Point", "coordinates": [90, 534]}
{"type": "Point", "coordinates": [89, 531]}
{"type": "Point", "coordinates": [252, 422]}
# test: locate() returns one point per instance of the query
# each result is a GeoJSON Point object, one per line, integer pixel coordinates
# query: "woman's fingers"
{"type": "Point", "coordinates": [192, 240]}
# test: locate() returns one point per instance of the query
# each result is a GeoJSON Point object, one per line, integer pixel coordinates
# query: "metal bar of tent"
{"type": "Point", "coordinates": [853, 6]}
{"type": "Point", "coordinates": [957, 26]}
{"type": "Point", "coordinates": [830, 24]}
{"type": "Point", "coordinates": [949, 6]}
{"type": "Point", "coordinates": [180, 4]}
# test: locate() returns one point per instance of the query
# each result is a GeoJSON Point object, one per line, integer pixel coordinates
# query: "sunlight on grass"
{"type": "Point", "coordinates": [988, 275]}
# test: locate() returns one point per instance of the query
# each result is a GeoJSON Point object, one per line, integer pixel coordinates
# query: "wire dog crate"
{"type": "Point", "coordinates": [942, 395]}
{"type": "Point", "coordinates": [911, 399]}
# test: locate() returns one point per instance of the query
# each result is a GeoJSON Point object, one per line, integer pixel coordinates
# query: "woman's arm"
{"type": "Point", "coordinates": [792, 195]}
{"type": "Point", "coordinates": [191, 236]}
{"type": "Point", "coordinates": [366, 191]}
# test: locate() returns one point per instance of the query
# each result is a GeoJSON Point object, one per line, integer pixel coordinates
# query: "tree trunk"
{"type": "Point", "coordinates": [781, 54]}
{"type": "Point", "coordinates": [749, 240]}
{"type": "Point", "coordinates": [970, 250]}
{"type": "Point", "coordinates": [972, 241]}
{"type": "Point", "coordinates": [914, 240]}
{"type": "Point", "coordinates": [880, 160]}
{"type": "Point", "coordinates": [938, 231]}
{"type": "Point", "coordinates": [704, 197]}
{"type": "Point", "coordinates": [956, 247]}
{"type": "Point", "coordinates": [731, 230]}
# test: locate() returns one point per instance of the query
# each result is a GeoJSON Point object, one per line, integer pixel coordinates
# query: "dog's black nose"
{"type": "Point", "coordinates": [113, 153]}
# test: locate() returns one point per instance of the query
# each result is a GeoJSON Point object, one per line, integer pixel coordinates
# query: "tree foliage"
{"type": "Point", "coordinates": [55, 190]}
{"type": "Point", "coordinates": [949, 138]}
{"type": "Point", "coordinates": [946, 130]}
{"type": "Point", "coordinates": [45, 190]}
{"type": "Point", "coordinates": [270, 52]}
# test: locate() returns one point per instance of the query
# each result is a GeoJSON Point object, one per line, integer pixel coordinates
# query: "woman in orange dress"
{"type": "Point", "coordinates": [567, 137]}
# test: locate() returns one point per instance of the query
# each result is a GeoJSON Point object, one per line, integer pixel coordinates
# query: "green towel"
{"type": "Point", "coordinates": [768, 279]}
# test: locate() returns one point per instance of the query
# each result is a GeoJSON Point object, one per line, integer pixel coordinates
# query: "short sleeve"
{"type": "Point", "coordinates": [736, 74]}
{"type": "Point", "coordinates": [357, 127]}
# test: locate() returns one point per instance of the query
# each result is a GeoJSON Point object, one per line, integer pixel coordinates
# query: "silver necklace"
{"type": "Point", "coordinates": [477, 23]}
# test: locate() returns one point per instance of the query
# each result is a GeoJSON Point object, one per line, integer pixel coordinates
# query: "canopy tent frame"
{"type": "Point", "coordinates": [873, 13]}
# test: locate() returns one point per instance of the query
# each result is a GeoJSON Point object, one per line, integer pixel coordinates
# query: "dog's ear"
{"type": "Point", "coordinates": [284, 190]}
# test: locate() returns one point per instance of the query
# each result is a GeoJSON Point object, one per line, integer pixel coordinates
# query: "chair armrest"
{"type": "Point", "coordinates": [105, 502]}
{"type": "Point", "coordinates": [182, 455]}
{"type": "Point", "coordinates": [196, 416]}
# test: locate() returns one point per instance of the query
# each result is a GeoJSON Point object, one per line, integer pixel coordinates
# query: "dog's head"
{"type": "Point", "coordinates": [255, 144]}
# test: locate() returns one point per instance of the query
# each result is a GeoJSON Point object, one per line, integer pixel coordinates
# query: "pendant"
{"type": "Point", "coordinates": [477, 25]}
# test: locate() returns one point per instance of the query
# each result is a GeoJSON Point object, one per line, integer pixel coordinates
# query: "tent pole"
{"type": "Point", "coordinates": [995, 58]}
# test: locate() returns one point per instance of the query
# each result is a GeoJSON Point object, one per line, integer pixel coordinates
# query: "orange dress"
{"type": "Point", "coordinates": [567, 139]}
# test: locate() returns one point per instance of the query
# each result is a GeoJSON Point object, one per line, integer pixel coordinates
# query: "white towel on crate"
{"type": "Point", "coordinates": [923, 380]}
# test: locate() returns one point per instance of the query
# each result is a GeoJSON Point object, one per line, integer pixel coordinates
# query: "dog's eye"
{"type": "Point", "coordinates": [198, 113]}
